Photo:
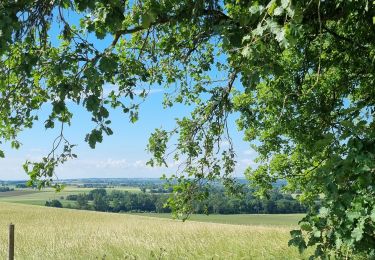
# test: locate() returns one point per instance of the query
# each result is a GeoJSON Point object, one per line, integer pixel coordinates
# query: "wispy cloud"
{"type": "Point", "coordinates": [110, 163]}
{"type": "Point", "coordinates": [248, 162]}
{"type": "Point", "coordinates": [250, 152]}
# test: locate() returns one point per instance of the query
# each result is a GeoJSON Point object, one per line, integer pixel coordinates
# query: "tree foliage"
{"type": "Point", "coordinates": [299, 73]}
{"type": "Point", "coordinates": [217, 202]}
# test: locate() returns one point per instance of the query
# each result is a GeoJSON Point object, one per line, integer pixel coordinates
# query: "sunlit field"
{"type": "Point", "coordinates": [287, 220]}
{"type": "Point", "coordinates": [49, 233]}
{"type": "Point", "coordinates": [39, 197]}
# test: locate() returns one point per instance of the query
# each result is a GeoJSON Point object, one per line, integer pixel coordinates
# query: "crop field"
{"type": "Point", "coordinates": [36, 197]}
{"type": "Point", "coordinates": [290, 220]}
{"type": "Point", "coordinates": [50, 233]}
{"type": "Point", "coordinates": [15, 193]}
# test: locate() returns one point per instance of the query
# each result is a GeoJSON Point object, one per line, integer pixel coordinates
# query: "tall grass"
{"type": "Point", "coordinates": [286, 220]}
{"type": "Point", "coordinates": [48, 233]}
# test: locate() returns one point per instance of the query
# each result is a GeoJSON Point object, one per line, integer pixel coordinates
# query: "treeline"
{"type": "Point", "coordinates": [5, 189]}
{"type": "Point", "coordinates": [217, 202]}
{"type": "Point", "coordinates": [116, 201]}
{"type": "Point", "coordinates": [277, 203]}
{"type": "Point", "coordinates": [155, 188]}
{"type": "Point", "coordinates": [94, 186]}
{"type": "Point", "coordinates": [143, 186]}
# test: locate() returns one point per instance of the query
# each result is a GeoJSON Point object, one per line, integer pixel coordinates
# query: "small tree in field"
{"type": "Point", "coordinates": [54, 203]}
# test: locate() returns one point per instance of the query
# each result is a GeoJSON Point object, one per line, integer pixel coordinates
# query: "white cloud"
{"type": "Point", "coordinates": [248, 162]}
{"type": "Point", "coordinates": [110, 163]}
{"type": "Point", "coordinates": [250, 152]}
{"type": "Point", "coordinates": [11, 168]}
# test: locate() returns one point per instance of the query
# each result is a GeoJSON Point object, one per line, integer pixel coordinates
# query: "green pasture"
{"type": "Point", "coordinates": [240, 219]}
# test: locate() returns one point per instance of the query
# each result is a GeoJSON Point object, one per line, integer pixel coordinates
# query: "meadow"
{"type": "Point", "coordinates": [287, 220]}
{"type": "Point", "coordinates": [39, 197]}
{"type": "Point", "coordinates": [50, 233]}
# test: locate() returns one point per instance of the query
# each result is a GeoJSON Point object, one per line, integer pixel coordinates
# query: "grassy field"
{"type": "Point", "coordinates": [49, 233]}
{"type": "Point", "coordinates": [36, 197]}
{"type": "Point", "coordinates": [33, 197]}
{"type": "Point", "coordinates": [290, 220]}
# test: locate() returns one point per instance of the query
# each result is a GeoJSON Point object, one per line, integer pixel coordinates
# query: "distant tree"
{"type": "Point", "coordinates": [21, 186]}
{"type": "Point", "coordinates": [160, 204]}
{"type": "Point", "coordinates": [5, 189]}
{"type": "Point", "coordinates": [54, 203]}
{"type": "Point", "coordinates": [71, 197]}
{"type": "Point", "coordinates": [97, 192]}
{"type": "Point", "coordinates": [82, 201]}
{"type": "Point", "coordinates": [100, 202]}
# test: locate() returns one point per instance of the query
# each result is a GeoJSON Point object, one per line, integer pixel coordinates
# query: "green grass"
{"type": "Point", "coordinates": [240, 219]}
{"type": "Point", "coordinates": [49, 233]}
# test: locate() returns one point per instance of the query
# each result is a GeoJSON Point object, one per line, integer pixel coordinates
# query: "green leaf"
{"type": "Point", "coordinates": [357, 232]}
{"type": "Point", "coordinates": [256, 8]}
{"type": "Point", "coordinates": [58, 107]}
{"type": "Point", "coordinates": [108, 63]}
{"type": "Point", "coordinates": [271, 7]}
{"type": "Point", "coordinates": [317, 233]}
{"type": "Point", "coordinates": [372, 216]}
{"type": "Point", "coordinates": [94, 137]}
{"type": "Point", "coordinates": [280, 35]}
{"type": "Point", "coordinates": [49, 124]}
{"type": "Point", "coordinates": [246, 52]}
{"type": "Point", "coordinates": [15, 144]}
{"type": "Point", "coordinates": [285, 3]}
{"type": "Point", "coordinates": [278, 11]}
{"type": "Point", "coordinates": [147, 19]}
{"type": "Point", "coordinates": [306, 226]}
{"type": "Point", "coordinates": [92, 103]}
{"type": "Point", "coordinates": [259, 30]}
{"type": "Point", "coordinates": [353, 215]}
{"type": "Point", "coordinates": [324, 212]}
{"type": "Point", "coordinates": [297, 240]}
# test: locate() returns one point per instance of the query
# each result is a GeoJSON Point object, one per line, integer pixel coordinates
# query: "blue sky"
{"type": "Point", "coordinates": [121, 155]}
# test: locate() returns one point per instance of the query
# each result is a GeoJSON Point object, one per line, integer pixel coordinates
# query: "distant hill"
{"type": "Point", "coordinates": [123, 181]}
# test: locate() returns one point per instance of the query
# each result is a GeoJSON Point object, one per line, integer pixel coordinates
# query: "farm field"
{"type": "Point", "coordinates": [36, 197]}
{"type": "Point", "coordinates": [290, 220]}
{"type": "Point", "coordinates": [50, 233]}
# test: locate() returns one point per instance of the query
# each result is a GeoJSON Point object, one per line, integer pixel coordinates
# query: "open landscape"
{"type": "Point", "coordinates": [45, 232]}
{"type": "Point", "coordinates": [181, 129]}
